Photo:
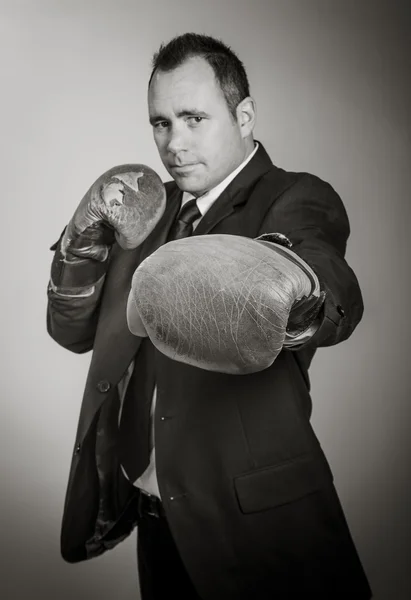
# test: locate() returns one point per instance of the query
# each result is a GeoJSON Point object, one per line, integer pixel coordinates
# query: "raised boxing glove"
{"type": "Point", "coordinates": [125, 203]}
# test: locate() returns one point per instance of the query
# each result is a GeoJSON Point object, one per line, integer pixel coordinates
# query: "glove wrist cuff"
{"type": "Point", "coordinates": [70, 271]}
{"type": "Point", "coordinates": [303, 313]}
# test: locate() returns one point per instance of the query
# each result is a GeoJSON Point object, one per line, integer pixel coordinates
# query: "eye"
{"type": "Point", "coordinates": [195, 120]}
{"type": "Point", "coordinates": [161, 125]}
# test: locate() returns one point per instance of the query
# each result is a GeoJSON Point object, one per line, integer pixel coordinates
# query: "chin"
{"type": "Point", "coordinates": [188, 184]}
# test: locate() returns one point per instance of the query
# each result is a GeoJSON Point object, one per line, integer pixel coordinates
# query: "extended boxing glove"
{"type": "Point", "coordinates": [222, 302]}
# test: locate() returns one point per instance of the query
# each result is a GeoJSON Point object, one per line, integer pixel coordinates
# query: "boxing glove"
{"type": "Point", "coordinates": [222, 302]}
{"type": "Point", "coordinates": [125, 203]}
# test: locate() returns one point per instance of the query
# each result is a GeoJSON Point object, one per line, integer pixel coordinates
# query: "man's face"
{"type": "Point", "coordinates": [199, 142]}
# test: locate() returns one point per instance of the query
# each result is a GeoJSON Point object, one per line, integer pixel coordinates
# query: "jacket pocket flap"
{"type": "Point", "coordinates": [281, 484]}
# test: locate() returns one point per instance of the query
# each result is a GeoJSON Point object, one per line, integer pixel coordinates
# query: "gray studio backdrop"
{"type": "Point", "coordinates": [331, 81]}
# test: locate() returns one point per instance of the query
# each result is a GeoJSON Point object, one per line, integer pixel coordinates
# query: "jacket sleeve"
{"type": "Point", "coordinates": [74, 294]}
{"type": "Point", "coordinates": [312, 216]}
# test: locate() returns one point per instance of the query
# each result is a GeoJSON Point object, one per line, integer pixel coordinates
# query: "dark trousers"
{"type": "Point", "coordinates": [162, 573]}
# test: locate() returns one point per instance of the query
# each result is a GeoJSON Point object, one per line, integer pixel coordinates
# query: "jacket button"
{"type": "Point", "coordinates": [340, 310]}
{"type": "Point", "coordinates": [103, 386]}
{"type": "Point", "coordinates": [78, 448]}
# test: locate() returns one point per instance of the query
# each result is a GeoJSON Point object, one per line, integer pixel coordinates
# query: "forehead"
{"type": "Point", "coordinates": [192, 83]}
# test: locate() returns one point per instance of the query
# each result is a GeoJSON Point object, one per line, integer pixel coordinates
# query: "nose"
{"type": "Point", "coordinates": [176, 141]}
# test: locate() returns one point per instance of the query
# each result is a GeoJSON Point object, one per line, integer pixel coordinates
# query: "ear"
{"type": "Point", "coordinates": [246, 116]}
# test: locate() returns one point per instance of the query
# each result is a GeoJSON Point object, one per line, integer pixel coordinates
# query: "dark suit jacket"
{"type": "Point", "coordinates": [248, 493]}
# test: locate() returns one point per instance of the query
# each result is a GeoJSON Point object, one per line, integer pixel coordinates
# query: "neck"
{"type": "Point", "coordinates": [249, 146]}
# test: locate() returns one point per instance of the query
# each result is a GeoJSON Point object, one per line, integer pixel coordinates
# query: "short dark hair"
{"type": "Point", "coordinates": [228, 68]}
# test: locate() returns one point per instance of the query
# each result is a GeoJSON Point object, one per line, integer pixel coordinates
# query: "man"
{"type": "Point", "coordinates": [203, 316]}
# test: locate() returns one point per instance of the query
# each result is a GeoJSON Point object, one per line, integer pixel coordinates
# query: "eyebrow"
{"type": "Point", "coordinates": [193, 112]}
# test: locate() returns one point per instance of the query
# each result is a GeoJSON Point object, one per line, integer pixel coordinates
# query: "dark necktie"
{"type": "Point", "coordinates": [183, 225]}
{"type": "Point", "coordinates": [134, 439]}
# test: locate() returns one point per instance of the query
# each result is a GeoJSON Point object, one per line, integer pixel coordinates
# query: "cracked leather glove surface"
{"type": "Point", "coordinates": [125, 203]}
{"type": "Point", "coordinates": [218, 302]}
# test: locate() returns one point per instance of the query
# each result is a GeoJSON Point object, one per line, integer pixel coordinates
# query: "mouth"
{"type": "Point", "coordinates": [184, 169]}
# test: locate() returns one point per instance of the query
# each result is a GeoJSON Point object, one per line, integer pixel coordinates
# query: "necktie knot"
{"type": "Point", "coordinates": [183, 226]}
{"type": "Point", "coordinates": [189, 212]}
